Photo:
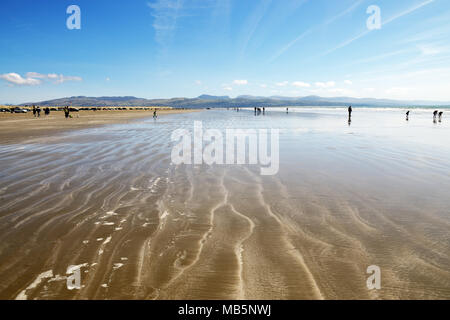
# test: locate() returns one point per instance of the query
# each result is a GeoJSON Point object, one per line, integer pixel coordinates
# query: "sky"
{"type": "Point", "coordinates": [185, 48]}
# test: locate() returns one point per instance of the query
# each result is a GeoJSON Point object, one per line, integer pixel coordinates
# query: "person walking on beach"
{"type": "Point", "coordinates": [47, 111]}
{"type": "Point", "coordinates": [287, 110]}
{"type": "Point", "coordinates": [34, 110]}
{"type": "Point", "coordinates": [407, 115]}
{"type": "Point", "coordinates": [66, 112]}
{"type": "Point", "coordinates": [155, 115]}
{"type": "Point", "coordinates": [350, 110]}
{"type": "Point", "coordinates": [38, 110]}
{"type": "Point", "coordinates": [435, 114]}
{"type": "Point", "coordinates": [440, 116]}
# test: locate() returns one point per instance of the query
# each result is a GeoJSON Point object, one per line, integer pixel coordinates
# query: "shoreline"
{"type": "Point", "coordinates": [18, 128]}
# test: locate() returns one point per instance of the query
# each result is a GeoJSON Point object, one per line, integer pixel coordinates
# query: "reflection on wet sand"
{"type": "Point", "coordinates": [108, 201]}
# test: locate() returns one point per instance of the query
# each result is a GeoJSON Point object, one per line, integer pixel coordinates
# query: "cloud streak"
{"type": "Point", "coordinates": [366, 32]}
{"type": "Point", "coordinates": [165, 14]}
{"type": "Point", "coordinates": [34, 78]}
{"type": "Point", "coordinates": [309, 31]}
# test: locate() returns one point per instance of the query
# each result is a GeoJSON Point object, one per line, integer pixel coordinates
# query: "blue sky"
{"type": "Point", "coordinates": [184, 48]}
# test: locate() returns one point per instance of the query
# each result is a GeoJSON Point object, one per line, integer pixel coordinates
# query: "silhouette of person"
{"type": "Point", "coordinates": [407, 115]}
{"type": "Point", "coordinates": [435, 114]}
{"type": "Point", "coordinates": [287, 110]}
{"type": "Point", "coordinates": [440, 116]}
{"type": "Point", "coordinates": [38, 110]}
{"type": "Point", "coordinates": [66, 112]}
{"type": "Point", "coordinates": [155, 115]}
{"type": "Point", "coordinates": [350, 110]}
{"type": "Point", "coordinates": [34, 110]}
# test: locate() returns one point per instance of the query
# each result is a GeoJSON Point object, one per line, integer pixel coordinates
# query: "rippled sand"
{"type": "Point", "coordinates": [108, 200]}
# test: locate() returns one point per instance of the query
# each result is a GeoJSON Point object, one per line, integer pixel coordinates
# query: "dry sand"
{"type": "Point", "coordinates": [19, 127]}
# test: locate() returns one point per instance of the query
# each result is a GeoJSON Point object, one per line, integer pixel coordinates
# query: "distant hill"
{"type": "Point", "coordinates": [208, 101]}
{"type": "Point", "coordinates": [208, 97]}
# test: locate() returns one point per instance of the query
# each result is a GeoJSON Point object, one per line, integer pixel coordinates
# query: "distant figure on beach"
{"type": "Point", "coordinates": [407, 115]}
{"type": "Point", "coordinates": [34, 110]}
{"type": "Point", "coordinates": [440, 116]}
{"type": "Point", "coordinates": [350, 110]}
{"type": "Point", "coordinates": [38, 110]}
{"type": "Point", "coordinates": [47, 111]}
{"type": "Point", "coordinates": [155, 115]}
{"type": "Point", "coordinates": [287, 110]}
{"type": "Point", "coordinates": [264, 110]}
{"type": "Point", "coordinates": [435, 113]}
{"type": "Point", "coordinates": [66, 112]}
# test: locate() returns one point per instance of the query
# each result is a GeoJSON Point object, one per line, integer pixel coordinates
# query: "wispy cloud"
{"type": "Point", "coordinates": [282, 84]}
{"type": "Point", "coordinates": [328, 84]}
{"type": "Point", "coordinates": [252, 24]}
{"type": "Point", "coordinates": [34, 78]}
{"type": "Point", "coordinates": [309, 31]}
{"type": "Point", "coordinates": [407, 11]}
{"type": "Point", "coordinates": [301, 84]}
{"type": "Point", "coordinates": [240, 82]}
{"type": "Point", "coordinates": [367, 31]}
{"type": "Point", "coordinates": [380, 56]}
{"type": "Point", "coordinates": [289, 45]}
{"type": "Point", "coordinates": [165, 14]}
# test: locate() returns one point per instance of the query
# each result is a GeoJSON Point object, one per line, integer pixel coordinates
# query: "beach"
{"type": "Point", "coordinates": [106, 198]}
{"type": "Point", "coordinates": [19, 127]}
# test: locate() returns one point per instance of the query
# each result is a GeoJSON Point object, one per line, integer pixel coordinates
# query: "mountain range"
{"type": "Point", "coordinates": [209, 101]}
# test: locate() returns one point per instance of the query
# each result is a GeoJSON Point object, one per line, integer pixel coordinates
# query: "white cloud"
{"type": "Point", "coordinates": [240, 82]}
{"type": "Point", "coordinates": [348, 82]}
{"type": "Point", "coordinates": [263, 85]}
{"type": "Point", "coordinates": [228, 88]}
{"type": "Point", "coordinates": [398, 91]}
{"type": "Point", "coordinates": [198, 82]}
{"type": "Point", "coordinates": [17, 79]}
{"type": "Point", "coordinates": [34, 78]}
{"type": "Point", "coordinates": [282, 84]}
{"type": "Point", "coordinates": [301, 84]}
{"type": "Point", "coordinates": [328, 84]}
{"type": "Point", "coordinates": [342, 92]}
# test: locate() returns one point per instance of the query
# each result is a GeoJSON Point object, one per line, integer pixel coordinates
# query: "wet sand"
{"type": "Point", "coordinates": [20, 127]}
{"type": "Point", "coordinates": [109, 200]}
